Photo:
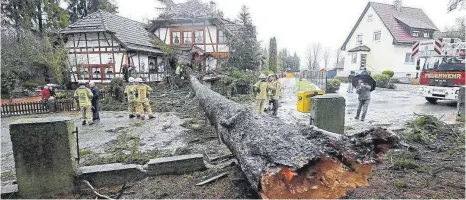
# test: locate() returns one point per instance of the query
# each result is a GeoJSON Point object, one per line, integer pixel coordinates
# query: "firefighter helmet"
{"type": "Point", "coordinates": [131, 79]}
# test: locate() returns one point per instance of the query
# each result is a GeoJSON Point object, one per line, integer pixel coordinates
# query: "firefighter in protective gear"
{"type": "Point", "coordinates": [261, 88]}
{"type": "Point", "coordinates": [275, 93]}
{"type": "Point", "coordinates": [130, 92]}
{"type": "Point", "coordinates": [84, 95]}
{"type": "Point", "coordinates": [142, 102]}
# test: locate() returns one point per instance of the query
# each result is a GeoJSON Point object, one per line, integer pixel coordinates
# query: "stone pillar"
{"type": "Point", "coordinates": [460, 104]}
{"type": "Point", "coordinates": [328, 112]}
{"type": "Point", "coordinates": [45, 156]}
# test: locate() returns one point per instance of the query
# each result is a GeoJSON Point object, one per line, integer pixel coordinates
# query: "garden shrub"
{"type": "Point", "coordinates": [333, 85]}
{"type": "Point", "coordinates": [382, 80]}
{"type": "Point", "coordinates": [390, 73]}
{"type": "Point", "coordinates": [237, 83]}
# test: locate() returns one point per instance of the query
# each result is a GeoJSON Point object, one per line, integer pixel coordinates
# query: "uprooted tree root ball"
{"type": "Point", "coordinates": [281, 161]}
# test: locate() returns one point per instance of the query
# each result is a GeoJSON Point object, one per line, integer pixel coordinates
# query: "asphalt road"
{"type": "Point", "coordinates": [388, 108]}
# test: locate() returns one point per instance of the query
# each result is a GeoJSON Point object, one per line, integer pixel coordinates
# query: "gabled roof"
{"type": "Point", "coordinates": [130, 33]}
{"type": "Point", "coordinates": [394, 20]}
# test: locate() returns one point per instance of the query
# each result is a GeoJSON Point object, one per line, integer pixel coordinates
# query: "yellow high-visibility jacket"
{"type": "Point", "coordinates": [130, 92]}
{"type": "Point", "coordinates": [262, 87]}
{"type": "Point", "coordinates": [276, 92]}
{"type": "Point", "coordinates": [178, 70]}
{"type": "Point", "coordinates": [142, 91]}
{"type": "Point", "coordinates": [84, 96]}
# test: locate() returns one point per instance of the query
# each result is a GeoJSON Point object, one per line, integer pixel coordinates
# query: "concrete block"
{"type": "Point", "coordinates": [9, 191]}
{"type": "Point", "coordinates": [45, 155]}
{"type": "Point", "coordinates": [461, 103]}
{"type": "Point", "coordinates": [328, 112]}
{"type": "Point", "coordinates": [111, 174]}
{"type": "Point", "coordinates": [176, 164]}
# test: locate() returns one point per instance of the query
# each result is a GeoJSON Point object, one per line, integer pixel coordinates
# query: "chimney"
{"type": "Point", "coordinates": [398, 5]}
{"type": "Point", "coordinates": [213, 7]}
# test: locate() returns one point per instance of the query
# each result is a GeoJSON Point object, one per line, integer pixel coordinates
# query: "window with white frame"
{"type": "Point", "coordinates": [426, 34]}
{"type": "Point", "coordinates": [415, 34]}
{"type": "Point", "coordinates": [409, 58]}
{"type": "Point", "coordinates": [187, 37]}
{"type": "Point", "coordinates": [222, 38]}
{"type": "Point", "coordinates": [377, 35]}
{"type": "Point", "coordinates": [176, 37]}
{"type": "Point", "coordinates": [359, 39]}
{"type": "Point", "coordinates": [369, 17]}
{"type": "Point", "coordinates": [354, 57]}
{"type": "Point", "coordinates": [199, 37]}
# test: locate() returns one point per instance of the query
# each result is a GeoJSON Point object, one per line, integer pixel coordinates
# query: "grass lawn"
{"type": "Point", "coordinates": [304, 85]}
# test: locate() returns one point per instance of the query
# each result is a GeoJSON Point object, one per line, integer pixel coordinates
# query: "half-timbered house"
{"type": "Point", "coordinates": [198, 25]}
{"type": "Point", "coordinates": [104, 45]}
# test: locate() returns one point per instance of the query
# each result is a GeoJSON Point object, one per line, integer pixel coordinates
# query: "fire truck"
{"type": "Point", "coordinates": [443, 67]}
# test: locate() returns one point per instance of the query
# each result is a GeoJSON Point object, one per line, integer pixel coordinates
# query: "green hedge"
{"type": "Point", "coordinates": [30, 85]}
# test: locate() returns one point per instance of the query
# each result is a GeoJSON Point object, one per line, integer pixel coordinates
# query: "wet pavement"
{"type": "Point", "coordinates": [160, 133]}
{"type": "Point", "coordinates": [388, 108]}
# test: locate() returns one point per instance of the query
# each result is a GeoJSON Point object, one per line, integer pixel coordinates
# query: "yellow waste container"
{"type": "Point", "coordinates": [289, 75]}
{"type": "Point", "coordinates": [304, 99]}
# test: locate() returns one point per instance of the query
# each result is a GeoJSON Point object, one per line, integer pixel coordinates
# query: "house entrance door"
{"type": "Point", "coordinates": [363, 61]}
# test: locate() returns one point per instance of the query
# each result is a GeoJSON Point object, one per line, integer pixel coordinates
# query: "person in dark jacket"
{"type": "Point", "coordinates": [95, 101]}
{"type": "Point", "coordinates": [350, 81]}
{"type": "Point", "coordinates": [52, 91]}
{"type": "Point", "coordinates": [364, 96]}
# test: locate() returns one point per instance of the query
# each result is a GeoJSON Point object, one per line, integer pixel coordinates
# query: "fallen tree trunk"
{"type": "Point", "coordinates": [283, 161]}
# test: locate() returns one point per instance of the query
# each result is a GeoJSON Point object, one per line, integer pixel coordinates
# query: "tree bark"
{"type": "Point", "coordinates": [280, 160]}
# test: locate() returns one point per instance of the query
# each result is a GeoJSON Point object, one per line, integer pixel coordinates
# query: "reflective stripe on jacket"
{"type": "Point", "coordinates": [262, 87]}
{"type": "Point", "coordinates": [276, 93]}
{"type": "Point", "coordinates": [142, 92]}
{"type": "Point", "coordinates": [84, 95]}
{"type": "Point", "coordinates": [130, 92]}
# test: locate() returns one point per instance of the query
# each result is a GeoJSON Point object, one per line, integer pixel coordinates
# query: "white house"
{"type": "Point", "coordinates": [196, 25]}
{"type": "Point", "coordinates": [382, 39]}
{"type": "Point", "coordinates": [102, 45]}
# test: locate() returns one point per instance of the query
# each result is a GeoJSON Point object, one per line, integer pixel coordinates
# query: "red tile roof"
{"type": "Point", "coordinates": [394, 20]}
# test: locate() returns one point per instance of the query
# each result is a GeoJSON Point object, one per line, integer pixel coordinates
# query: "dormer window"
{"type": "Point", "coordinates": [415, 34]}
{"type": "Point", "coordinates": [369, 17]}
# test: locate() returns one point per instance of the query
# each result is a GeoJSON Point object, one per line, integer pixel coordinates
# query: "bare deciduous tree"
{"type": "Point", "coordinates": [456, 5]}
{"type": "Point", "coordinates": [457, 30]}
{"type": "Point", "coordinates": [314, 56]}
{"type": "Point", "coordinates": [326, 57]}
{"type": "Point", "coordinates": [338, 56]}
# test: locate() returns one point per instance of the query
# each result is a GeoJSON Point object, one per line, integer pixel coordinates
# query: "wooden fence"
{"type": "Point", "coordinates": [37, 107]}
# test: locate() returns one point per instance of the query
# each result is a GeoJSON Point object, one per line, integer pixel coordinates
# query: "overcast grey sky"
{"type": "Point", "coordinates": [299, 23]}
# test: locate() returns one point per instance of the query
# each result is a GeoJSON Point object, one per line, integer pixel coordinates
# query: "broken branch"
{"type": "Point", "coordinates": [94, 190]}
{"type": "Point", "coordinates": [212, 179]}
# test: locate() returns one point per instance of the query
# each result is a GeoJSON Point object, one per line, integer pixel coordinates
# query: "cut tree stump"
{"type": "Point", "coordinates": [285, 161]}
